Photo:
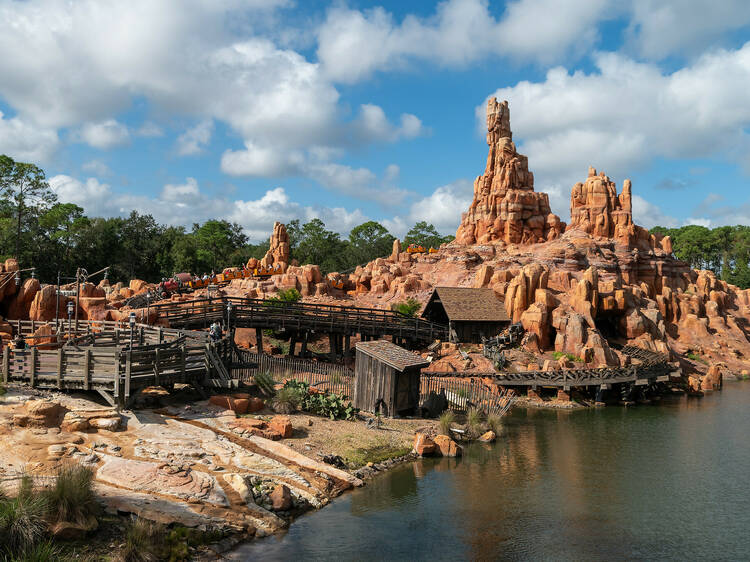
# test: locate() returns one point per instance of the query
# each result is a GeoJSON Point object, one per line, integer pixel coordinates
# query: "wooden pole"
{"type": "Point", "coordinates": [60, 353]}
{"type": "Point", "coordinates": [6, 364]}
{"type": "Point", "coordinates": [78, 288]}
{"type": "Point", "coordinates": [86, 369]}
{"type": "Point", "coordinates": [259, 339]}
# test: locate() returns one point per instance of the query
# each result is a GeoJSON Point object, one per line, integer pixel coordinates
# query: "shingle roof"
{"type": "Point", "coordinates": [470, 304]}
{"type": "Point", "coordinates": [391, 354]}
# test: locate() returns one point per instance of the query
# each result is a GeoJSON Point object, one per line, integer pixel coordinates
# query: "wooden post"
{"type": "Point", "coordinates": [156, 367]}
{"type": "Point", "coordinates": [32, 373]}
{"type": "Point", "coordinates": [60, 353]}
{"type": "Point", "coordinates": [347, 344]}
{"type": "Point", "coordinates": [332, 346]}
{"type": "Point", "coordinates": [292, 345]}
{"type": "Point", "coordinates": [86, 369]}
{"type": "Point", "coordinates": [183, 357]}
{"type": "Point", "coordinates": [303, 353]}
{"type": "Point", "coordinates": [118, 398]}
{"type": "Point", "coordinates": [128, 360]}
{"type": "Point", "coordinates": [259, 339]}
{"type": "Point", "coordinates": [6, 364]}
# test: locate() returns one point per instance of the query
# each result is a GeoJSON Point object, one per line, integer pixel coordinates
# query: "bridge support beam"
{"type": "Point", "coordinates": [332, 347]}
{"type": "Point", "coordinates": [259, 339]}
{"type": "Point", "coordinates": [292, 344]}
{"type": "Point", "coordinates": [303, 352]}
{"type": "Point", "coordinates": [347, 344]}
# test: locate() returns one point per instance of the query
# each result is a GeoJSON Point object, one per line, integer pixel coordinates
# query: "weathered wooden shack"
{"type": "Point", "coordinates": [387, 378]}
{"type": "Point", "coordinates": [469, 312]}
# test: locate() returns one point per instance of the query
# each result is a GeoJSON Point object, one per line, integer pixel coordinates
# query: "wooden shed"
{"type": "Point", "coordinates": [387, 378]}
{"type": "Point", "coordinates": [470, 313]}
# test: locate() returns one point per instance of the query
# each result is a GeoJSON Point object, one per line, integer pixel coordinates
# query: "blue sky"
{"type": "Point", "coordinates": [264, 110]}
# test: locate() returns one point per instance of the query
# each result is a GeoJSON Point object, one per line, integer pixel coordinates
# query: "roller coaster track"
{"type": "Point", "coordinates": [299, 317]}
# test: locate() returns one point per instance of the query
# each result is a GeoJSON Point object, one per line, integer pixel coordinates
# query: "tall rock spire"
{"type": "Point", "coordinates": [505, 206]}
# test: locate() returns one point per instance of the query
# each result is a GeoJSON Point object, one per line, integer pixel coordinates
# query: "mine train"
{"type": "Point", "coordinates": [415, 249]}
{"type": "Point", "coordinates": [187, 282]}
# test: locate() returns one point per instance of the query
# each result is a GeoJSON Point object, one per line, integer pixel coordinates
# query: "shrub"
{"type": "Point", "coordinates": [446, 422]}
{"type": "Point", "coordinates": [330, 405]}
{"type": "Point", "coordinates": [286, 401]}
{"type": "Point", "coordinates": [22, 524]}
{"type": "Point", "coordinates": [284, 296]}
{"type": "Point", "coordinates": [473, 423]}
{"type": "Point", "coordinates": [142, 541]}
{"type": "Point", "coordinates": [494, 422]}
{"type": "Point", "coordinates": [569, 356]}
{"type": "Point", "coordinates": [409, 307]}
{"type": "Point", "coordinates": [2, 390]}
{"type": "Point", "coordinates": [265, 383]}
{"type": "Point", "coordinates": [72, 498]}
{"type": "Point", "coordinates": [42, 552]}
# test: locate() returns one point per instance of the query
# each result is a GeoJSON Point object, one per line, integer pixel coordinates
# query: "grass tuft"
{"type": "Point", "coordinates": [72, 498]}
{"type": "Point", "coordinates": [446, 422]}
{"type": "Point", "coordinates": [473, 423]}
{"type": "Point", "coordinates": [22, 523]}
{"type": "Point", "coordinates": [494, 422]}
{"type": "Point", "coordinates": [286, 401]}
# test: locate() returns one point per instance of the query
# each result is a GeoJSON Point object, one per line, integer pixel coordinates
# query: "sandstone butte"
{"type": "Point", "coordinates": [573, 286]}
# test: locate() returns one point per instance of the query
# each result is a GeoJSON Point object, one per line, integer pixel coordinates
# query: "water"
{"type": "Point", "coordinates": [651, 482]}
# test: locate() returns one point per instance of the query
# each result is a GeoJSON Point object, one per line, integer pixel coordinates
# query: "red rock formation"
{"type": "Point", "coordinates": [278, 250]}
{"type": "Point", "coordinates": [505, 206]}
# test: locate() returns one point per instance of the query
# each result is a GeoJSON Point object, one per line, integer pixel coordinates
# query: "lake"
{"type": "Point", "coordinates": [662, 481]}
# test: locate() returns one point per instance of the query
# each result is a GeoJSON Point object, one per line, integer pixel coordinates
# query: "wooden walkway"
{"type": "Point", "coordinates": [98, 357]}
{"type": "Point", "coordinates": [300, 318]}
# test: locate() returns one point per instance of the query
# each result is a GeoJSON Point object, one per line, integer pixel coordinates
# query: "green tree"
{"type": "Point", "coordinates": [368, 241]}
{"type": "Point", "coordinates": [216, 241]}
{"type": "Point", "coordinates": [26, 188]}
{"type": "Point", "coordinates": [320, 246]}
{"type": "Point", "coordinates": [424, 234]}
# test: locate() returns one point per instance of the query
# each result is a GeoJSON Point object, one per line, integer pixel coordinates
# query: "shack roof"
{"type": "Point", "coordinates": [467, 304]}
{"type": "Point", "coordinates": [391, 354]}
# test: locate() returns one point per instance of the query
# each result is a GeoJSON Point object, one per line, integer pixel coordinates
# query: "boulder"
{"type": "Point", "coordinates": [282, 425]}
{"type": "Point", "coordinates": [281, 498]}
{"type": "Point", "coordinates": [488, 437]}
{"type": "Point", "coordinates": [447, 447]}
{"type": "Point", "coordinates": [423, 445]}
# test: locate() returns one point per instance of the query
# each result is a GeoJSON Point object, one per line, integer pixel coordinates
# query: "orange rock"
{"type": "Point", "coordinates": [505, 206]}
{"type": "Point", "coordinates": [423, 445]}
{"type": "Point", "coordinates": [281, 498]}
{"type": "Point", "coordinates": [447, 447]}
{"type": "Point", "coordinates": [282, 425]}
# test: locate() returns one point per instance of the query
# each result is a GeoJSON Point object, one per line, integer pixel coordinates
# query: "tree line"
{"type": "Point", "coordinates": [725, 250]}
{"type": "Point", "coordinates": [56, 236]}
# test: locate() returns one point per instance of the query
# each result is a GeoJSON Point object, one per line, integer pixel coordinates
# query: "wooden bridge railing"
{"type": "Point", "coordinates": [258, 313]}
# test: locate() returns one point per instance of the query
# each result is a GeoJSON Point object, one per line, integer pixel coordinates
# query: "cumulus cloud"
{"type": "Point", "coordinates": [458, 33]}
{"type": "Point", "coordinates": [442, 208]}
{"type": "Point", "coordinates": [104, 134]}
{"type": "Point", "coordinates": [284, 108]}
{"type": "Point", "coordinates": [26, 142]}
{"type": "Point", "coordinates": [625, 114]}
{"type": "Point", "coordinates": [195, 139]}
{"type": "Point", "coordinates": [185, 204]}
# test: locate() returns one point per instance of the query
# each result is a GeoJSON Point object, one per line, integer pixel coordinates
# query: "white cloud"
{"type": "Point", "coordinates": [283, 107]}
{"type": "Point", "coordinates": [353, 44]}
{"type": "Point", "coordinates": [185, 204]}
{"type": "Point", "coordinates": [649, 215]}
{"type": "Point", "coordinates": [26, 142]}
{"type": "Point", "coordinates": [626, 114]}
{"type": "Point", "coordinates": [96, 167]}
{"type": "Point", "coordinates": [373, 125]}
{"type": "Point", "coordinates": [442, 208]}
{"type": "Point", "coordinates": [658, 29]}
{"type": "Point", "coordinates": [195, 139]}
{"type": "Point", "coordinates": [104, 134]}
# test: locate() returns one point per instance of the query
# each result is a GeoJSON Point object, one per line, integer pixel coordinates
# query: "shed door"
{"type": "Point", "coordinates": [403, 393]}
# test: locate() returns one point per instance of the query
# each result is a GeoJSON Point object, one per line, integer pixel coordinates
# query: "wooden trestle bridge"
{"type": "Point", "coordinates": [117, 361]}
{"type": "Point", "coordinates": [300, 320]}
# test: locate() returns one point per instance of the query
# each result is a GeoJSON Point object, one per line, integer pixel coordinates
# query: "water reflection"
{"type": "Point", "coordinates": [651, 482]}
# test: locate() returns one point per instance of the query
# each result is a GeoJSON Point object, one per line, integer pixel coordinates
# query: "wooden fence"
{"type": "Point", "coordinates": [461, 394]}
{"type": "Point", "coordinates": [465, 393]}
